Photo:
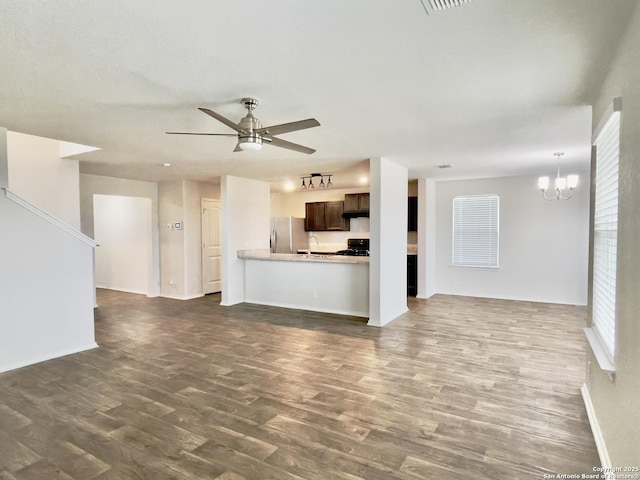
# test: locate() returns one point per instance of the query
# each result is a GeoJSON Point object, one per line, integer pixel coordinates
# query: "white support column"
{"type": "Point", "coordinates": [426, 237]}
{"type": "Point", "coordinates": [388, 261]}
{"type": "Point", "coordinates": [245, 226]}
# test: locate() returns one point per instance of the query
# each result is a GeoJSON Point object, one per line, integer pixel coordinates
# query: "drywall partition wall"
{"type": "Point", "coordinates": [192, 239]}
{"type": "Point", "coordinates": [180, 237]}
{"type": "Point", "coordinates": [97, 184]}
{"type": "Point", "coordinates": [46, 287]}
{"type": "Point", "coordinates": [543, 245]}
{"type": "Point", "coordinates": [388, 261]}
{"type": "Point", "coordinates": [172, 258]}
{"type": "Point", "coordinates": [40, 176]}
{"type": "Point", "coordinates": [615, 416]}
{"type": "Point", "coordinates": [426, 237]}
{"type": "Point", "coordinates": [193, 193]}
{"type": "Point", "coordinates": [245, 226]}
{"type": "Point", "coordinates": [122, 227]}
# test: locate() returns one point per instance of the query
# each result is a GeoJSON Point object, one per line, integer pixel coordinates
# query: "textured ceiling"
{"type": "Point", "coordinates": [493, 87]}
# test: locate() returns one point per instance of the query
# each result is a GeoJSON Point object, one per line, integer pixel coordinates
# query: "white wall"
{"type": "Point", "coordinates": [40, 176]}
{"type": "Point", "coordinates": [97, 184]}
{"type": "Point", "coordinates": [46, 289]}
{"type": "Point", "coordinates": [171, 202]}
{"type": "Point", "coordinates": [388, 261]}
{"type": "Point", "coordinates": [615, 401]}
{"type": "Point", "coordinates": [543, 245]}
{"type": "Point", "coordinates": [172, 258]}
{"type": "Point", "coordinates": [180, 250]}
{"type": "Point", "coordinates": [123, 232]}
{"type": "Point", "coordinates": [245, 226]}
{"type": "Point", "coordinates": [193, 193]}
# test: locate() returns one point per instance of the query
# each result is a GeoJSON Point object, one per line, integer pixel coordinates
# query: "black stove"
{"type": "Point", "coordinates": [356, 247]}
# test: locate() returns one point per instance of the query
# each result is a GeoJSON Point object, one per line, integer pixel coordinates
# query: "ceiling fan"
{"type": "Point", "coordinates": [251, 134]}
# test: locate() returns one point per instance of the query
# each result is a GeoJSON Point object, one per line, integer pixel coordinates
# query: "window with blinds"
{"type": "Point", "coordinates": [606, 233]}
{"type": "Point", "coordinates": [476, 231]}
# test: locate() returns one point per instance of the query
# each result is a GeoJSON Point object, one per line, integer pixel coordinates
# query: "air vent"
{"type": "Point", "coordinates": [444, 4]}
{"type": "Point", "coordinates": [438, 5]}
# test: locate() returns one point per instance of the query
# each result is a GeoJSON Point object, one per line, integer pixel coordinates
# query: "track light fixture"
{"type": "Point", "coordinates": [311, 185]}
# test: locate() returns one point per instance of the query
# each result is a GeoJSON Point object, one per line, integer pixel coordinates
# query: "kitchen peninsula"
{"type": "Point", "coordinates": [321, 283]}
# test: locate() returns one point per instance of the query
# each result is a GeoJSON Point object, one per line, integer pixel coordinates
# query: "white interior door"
{"type": "Point", "coordinates": [211, 246]}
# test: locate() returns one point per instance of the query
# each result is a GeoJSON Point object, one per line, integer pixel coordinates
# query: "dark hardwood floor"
{"type": "Point", "coordinates": [456, 388]}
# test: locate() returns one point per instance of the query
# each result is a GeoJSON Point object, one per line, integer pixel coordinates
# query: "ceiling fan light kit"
{"type": "Point", "coordinates": [251, 134]}
{"type": "Point", "coordinates": [250, 142]}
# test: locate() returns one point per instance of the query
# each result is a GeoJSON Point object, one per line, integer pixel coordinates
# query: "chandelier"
{"type": "Point", "coordinates": [322, 183]}
{"type": "Point", "coordinates": [563, 186]}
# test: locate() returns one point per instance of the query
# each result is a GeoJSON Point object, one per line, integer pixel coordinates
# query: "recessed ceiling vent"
{"type": "Point", "coordinates": [437, 5]}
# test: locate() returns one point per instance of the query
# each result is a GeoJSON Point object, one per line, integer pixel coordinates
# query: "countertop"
{"type": "Point", "coordinates": [265, 254]}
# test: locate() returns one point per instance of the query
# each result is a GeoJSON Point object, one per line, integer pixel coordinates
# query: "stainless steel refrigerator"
{"type": "Point", "coordinates": [288, 235]}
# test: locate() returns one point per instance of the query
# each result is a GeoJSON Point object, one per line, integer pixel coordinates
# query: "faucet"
{"type": "Point", "coordinates": [311, 236]}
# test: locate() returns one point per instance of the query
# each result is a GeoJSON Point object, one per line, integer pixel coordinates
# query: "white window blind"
{"type": "Point", "coordinates": [476, 231]}
{"type": "Point", "coordinates": [606, 233]}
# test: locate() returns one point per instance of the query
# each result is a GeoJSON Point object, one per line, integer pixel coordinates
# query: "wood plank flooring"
{"type": "Point", "coordinates": [456, 388]}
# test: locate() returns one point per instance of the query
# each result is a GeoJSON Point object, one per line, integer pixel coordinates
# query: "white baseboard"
{"type": "Point", "coordinates": [119, 289]}
{"type": "Point", "coordinates": [184, 297]}
{"type": "Point", "coordinates": [293, 306]}
{"type": "Point", "coordinates": [595, 428]}
{"type": "Point", "coordinates": [43, 358]}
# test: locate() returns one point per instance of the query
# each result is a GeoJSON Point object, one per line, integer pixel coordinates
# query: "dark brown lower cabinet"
{"type": "Point", "coordinates": [412, 275]}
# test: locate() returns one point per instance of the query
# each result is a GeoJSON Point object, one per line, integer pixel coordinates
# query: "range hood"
{"type": "Point", "coordinates": [356, 214]}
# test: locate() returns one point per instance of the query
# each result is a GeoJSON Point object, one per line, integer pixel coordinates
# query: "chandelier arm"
{"type": "Point", "coordinates": [554, 197]}
{"type": "Point", "coordinates": [560, 197]}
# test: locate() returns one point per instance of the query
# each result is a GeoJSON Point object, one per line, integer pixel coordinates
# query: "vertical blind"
{"type": "Point", "coordinates": [476, 231]}
{"type": "Point", "coordinates": [606, 232]}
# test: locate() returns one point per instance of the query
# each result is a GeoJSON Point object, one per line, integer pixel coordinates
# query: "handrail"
{"type": "Point", "coordinates": [50, 219]}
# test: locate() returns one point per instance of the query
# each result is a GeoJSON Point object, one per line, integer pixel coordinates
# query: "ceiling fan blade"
{"type": "Point", "coordinates": [222, 119]}
{"type": "Point", "coordinates": [289, 127]}
{"type": "Point", "coordinates": [237, 149]}
{"type": "Point", "coordinates": [277, 142]}
{"type": "Point", "coordinates": [193, 133]}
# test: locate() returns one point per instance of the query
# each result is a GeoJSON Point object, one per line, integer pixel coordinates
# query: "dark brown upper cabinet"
{"type": "Point", "coordinates": [356, 205]}
{"type": "Point", "coordinates": [325, 216]}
